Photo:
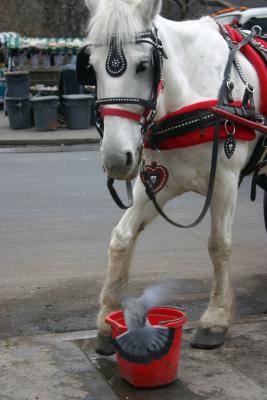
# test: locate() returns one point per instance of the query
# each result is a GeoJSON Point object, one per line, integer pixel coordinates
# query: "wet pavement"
{"type": "Point", "coordinates": [64, 366]}
{"type": "Point", "coordinates": [48, 368]}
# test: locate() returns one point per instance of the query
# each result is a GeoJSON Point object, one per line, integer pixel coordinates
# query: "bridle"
{"type": "Point", "coordinates": [115, 66]}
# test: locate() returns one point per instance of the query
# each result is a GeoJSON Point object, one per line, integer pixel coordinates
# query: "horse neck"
{"type": "Point", "coordinates": [194, 70]}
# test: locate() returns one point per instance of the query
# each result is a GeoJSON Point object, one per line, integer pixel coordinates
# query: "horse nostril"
{"type": "Point", "coordinates": [129, 159]}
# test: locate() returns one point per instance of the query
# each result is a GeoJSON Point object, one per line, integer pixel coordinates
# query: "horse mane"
{"type": "Point", "coordinates": [118, 18]}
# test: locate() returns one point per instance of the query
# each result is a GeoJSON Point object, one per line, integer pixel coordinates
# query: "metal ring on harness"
{"type": "Point", "coordinates": [227, 124]}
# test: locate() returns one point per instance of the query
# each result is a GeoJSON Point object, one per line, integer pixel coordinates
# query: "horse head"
{"type": "Point", "coordinates": [121, 47]}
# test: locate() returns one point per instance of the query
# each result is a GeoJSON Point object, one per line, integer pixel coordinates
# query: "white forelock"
{"type": "Point", "coordinates": [115, 17]}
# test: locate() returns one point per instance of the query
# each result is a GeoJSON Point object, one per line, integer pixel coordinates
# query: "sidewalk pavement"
{"type": "Point", "coordinates": [64, 366]}
{"type": "Point", "coordinates": [32, 137]}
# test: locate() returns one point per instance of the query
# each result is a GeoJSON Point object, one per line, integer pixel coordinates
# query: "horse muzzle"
{"type": "Point", "coordinates": [122, 165]}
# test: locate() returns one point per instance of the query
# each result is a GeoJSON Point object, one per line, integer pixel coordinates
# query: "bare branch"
{"type": "Point", "coordinates": [216, 3]}
{"type": "Point", "coordinates": [182, 4]}
{"type": "Point", "coordinates": [186, 6]}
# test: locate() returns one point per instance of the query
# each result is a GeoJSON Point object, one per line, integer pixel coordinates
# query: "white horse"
{"type": "Point", "coordinates": [194, 71]}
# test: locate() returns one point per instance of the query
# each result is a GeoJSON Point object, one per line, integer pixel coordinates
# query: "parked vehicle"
{"type": "Point", "coordinates": [243, 17]}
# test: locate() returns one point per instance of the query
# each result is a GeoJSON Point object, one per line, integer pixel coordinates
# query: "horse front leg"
{"type": "Point", "coordinates": [121, 248]}
{"type": "Point", "coordinates": [218, 317]}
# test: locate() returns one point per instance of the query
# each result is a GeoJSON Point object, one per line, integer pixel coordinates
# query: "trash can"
{"type": "Point", "coordinates": [45, 112]}
{"type": "Point", "coordinates": [2, 87]}
{"type": "Point", "coordinates": [18, 84]}
{"type": "Point", "coordinates": [77, 110]}
{"type": "Point", "coordinates": [2, 90]}
{"type": "Point", "coordinates": [19, 112]}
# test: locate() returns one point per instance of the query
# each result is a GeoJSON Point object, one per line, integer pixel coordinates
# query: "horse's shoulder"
{"type": "Point", "coordinates": [196, 26]}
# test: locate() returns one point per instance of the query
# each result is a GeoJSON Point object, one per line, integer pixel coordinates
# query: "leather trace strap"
{"type": "Point", "coordinates": [115, 196]}
{"type": "Point", "coordinates": [255, 158]}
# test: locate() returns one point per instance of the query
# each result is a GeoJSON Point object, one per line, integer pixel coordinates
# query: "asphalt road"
{"type": "Point", "coordinates": [55, 222]}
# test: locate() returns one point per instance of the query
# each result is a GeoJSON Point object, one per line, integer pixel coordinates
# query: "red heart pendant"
{"type": "Point", "coordinates": [158, 175]}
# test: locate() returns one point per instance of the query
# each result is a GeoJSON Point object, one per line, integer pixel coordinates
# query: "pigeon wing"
{"type": "Point", "coordinates": [143, 345]}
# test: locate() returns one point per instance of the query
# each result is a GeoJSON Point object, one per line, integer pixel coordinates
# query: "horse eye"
{"type": "Point", "coordinates": [142, 66]}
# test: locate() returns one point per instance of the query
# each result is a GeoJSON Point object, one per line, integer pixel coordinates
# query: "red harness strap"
{"type": "Point", "coordinates": [239, 120]}
{"type": "Point", "coordinates": [119, 112]}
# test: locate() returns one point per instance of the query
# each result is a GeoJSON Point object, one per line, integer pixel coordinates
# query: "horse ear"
{"type": "Point", "coordinates": [91, 5]}
{"type": "Point", "coordinates": [150, 9]}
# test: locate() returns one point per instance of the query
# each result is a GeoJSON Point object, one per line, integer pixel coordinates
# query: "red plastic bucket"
{"type": "Point", "coordinates": [158, 372]}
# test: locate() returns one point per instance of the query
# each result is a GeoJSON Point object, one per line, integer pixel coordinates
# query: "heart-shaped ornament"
{"type": "Point", "coordinates": [153, 178]}
{"type": "Point", "coordinates": [158, 176]}
{"type": "Point", "coordinates": [229, 146]}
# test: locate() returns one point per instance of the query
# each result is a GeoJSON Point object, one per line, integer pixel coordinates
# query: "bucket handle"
{"type": "Point", "coordinates": [114, 324]}
{"type": "Point", "coordinates": [171, 320]}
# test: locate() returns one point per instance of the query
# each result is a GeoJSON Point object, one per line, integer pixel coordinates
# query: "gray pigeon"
{"type": "Point", "coordinates": [144, 342]}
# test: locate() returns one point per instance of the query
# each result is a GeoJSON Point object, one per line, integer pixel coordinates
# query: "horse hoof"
{"type": "Point", "coordinates": [103, 345]}
{"type": "Point", "coordinates": [205, 338]}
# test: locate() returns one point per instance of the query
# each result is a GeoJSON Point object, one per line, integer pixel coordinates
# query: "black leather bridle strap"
{"type": "Point", "coordinates": [125, 100]}
{"type": "Point", "coordinates": [114, 194]}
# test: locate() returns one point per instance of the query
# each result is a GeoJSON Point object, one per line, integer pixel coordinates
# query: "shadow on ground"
{"type": "Point", "coordinates": [73, 306]}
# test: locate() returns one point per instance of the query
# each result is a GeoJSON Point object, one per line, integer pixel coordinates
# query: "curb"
{"type": "Point", "coordinates": [47, 142]}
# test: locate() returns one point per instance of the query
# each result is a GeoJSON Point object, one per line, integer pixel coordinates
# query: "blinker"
{"type": "Point", "coordinates": [85, 73]}
{"type": "Point", "coordinates": [116, 63]}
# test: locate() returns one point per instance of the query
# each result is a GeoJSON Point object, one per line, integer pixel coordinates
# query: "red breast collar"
{"type": "Point", "coordinates": [175, 130]}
